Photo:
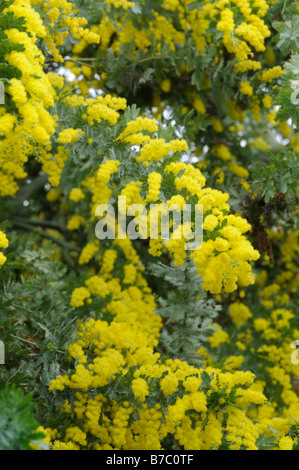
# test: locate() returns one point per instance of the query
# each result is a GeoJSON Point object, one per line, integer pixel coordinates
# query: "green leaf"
{"type": "Point", "coordinates": [9, 21]}
{"type": "Point", "coordinates": [18, 427]}
{"type": "Point", "coordinates": [8, 71]}
{"type": "Point", "coordinates": [288, 35]}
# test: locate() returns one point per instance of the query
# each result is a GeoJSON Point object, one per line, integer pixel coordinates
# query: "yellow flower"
{"type": "Point", "coordinates": [246, 88]}
{"type": "Point", "coordinates": [239, 313]}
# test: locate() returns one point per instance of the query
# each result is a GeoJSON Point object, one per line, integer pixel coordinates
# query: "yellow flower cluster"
{"type": "Point", "coordinates": [78, 296]}
{"type": "Point", "coordinates": [132, 193]}
{"type": "Point", "coordinates": [266, 334]}
{"type": "Point", "coordinates": [140, 389]}
{"type": "Point", "coordinates": [260, 144]}
{"type": "Point", "coordinates": [255, 108]}
{"type": "Point", "coordinates": [246, 88]}
{"type": "Point", "coordinates": [240, 37]}
{"type": "Point", "coordinates": [120, 4]}
{"type": "Point", "coordinates": [3, 244]}
{"type": "Point", "coordinates": [154, 184]}
{"type": "Point", "coordinates": [157, 149]}
{"type": "Point", "coordinates": [53, 165]}
{"type": "Point", "coordinates": [107, 263]}
{"type": "Point", "coordinates": [218, 337]}
{"type": "Point", "coordinates": [226, 24]}
{"type": "Point", "coordinates": [222, 261]}
{"type": "Point", "coordinates": [62, 21]}
{"type": "Point", "coordinates": [117, 348]}
{"type": "Point", "coordinates": [238, 170]}
{"type": "Point", "coordinates": [95, 110]}
{"type": "Point", "coordinates": [133, 134]}
{"type": "Point", "coordinates": [132, 303]}
{"type": "Point", "coordinates": [69, 136]}
{"type": "Point", "coordinates": [267, 101]}
{"type": "Point", "coordinates": [239, 313]}
{"type": "Point", "coordinates": [120, 351]}
{"type": "Point", "coordinates": [223, 152]}
{"type": "Point", "coordinates": [101, 108]}
{"type": "Point", "coordinates": [74, 222]}
{"type": "Point", "coordinates": [102, 192]}
{"type": "Point", "coordinates": [76, 195]}
{"type": "Point", "coordinates": [28, 126]}
{"type": "Point", "coordinates": [88, 252]}
{"type": "Point", "coordinates": [271, 74]}
{"type": "Point", "coordinates": [130, 274]}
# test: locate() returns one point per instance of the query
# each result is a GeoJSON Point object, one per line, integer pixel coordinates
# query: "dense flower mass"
{"type": "Point", "coordinates": [117, 355]}
{"type": "Point", "coordinates": [3, 244]}
{"type": "Point", "coordinates": [126, 333]}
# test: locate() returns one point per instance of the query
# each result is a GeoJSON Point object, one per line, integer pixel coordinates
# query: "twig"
{"type": "Point", "coordinates": [31, 188]}
{"type": "Point", "coordinates": [44, 234]}
{"type": "Point", "coordinates": [42, 223]}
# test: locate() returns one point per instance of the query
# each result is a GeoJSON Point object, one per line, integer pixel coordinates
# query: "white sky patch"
{"type": "Point", "coordinates": [68, 74]}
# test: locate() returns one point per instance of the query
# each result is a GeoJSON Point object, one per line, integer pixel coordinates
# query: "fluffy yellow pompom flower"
{"type": "Point", "coordinates": [68, 136]}
{"type": "Point", "coordinates": [76, 194]}
{"type": "Point", "coordinates": [75, 221]}
{"type": "Point", "coordinates": [154, 184]}
{"type": "Point", "coordinates": [246, 88]}
{"type": "Point", "coordinates": [239, 313]}
{"type": "Point", "coordinates": [78, 296]}
{"type": "Point", "coordinates": [140, 389]}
